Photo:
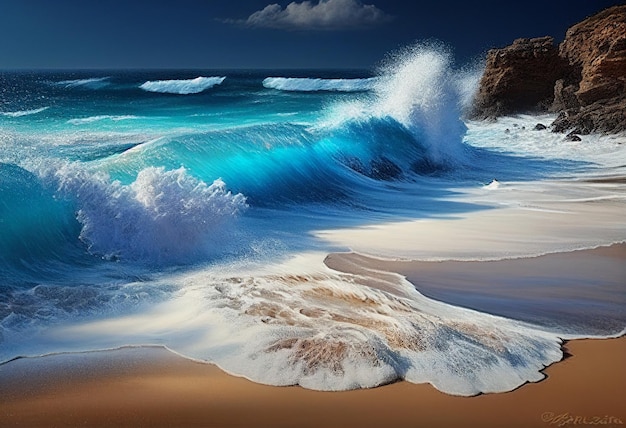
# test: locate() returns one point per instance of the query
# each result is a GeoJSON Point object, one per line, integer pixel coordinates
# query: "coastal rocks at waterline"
{"type": "Point", "coordinates": [584, 81]}
{"type": "Point", "coordinates": [519, 77]}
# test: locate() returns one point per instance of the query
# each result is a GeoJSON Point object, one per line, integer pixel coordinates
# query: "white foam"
{"type": "Point", "coordinates": [21, 113]}
{"type": "Point", "coordinates": [91, 119]}
{"type": "Point", "coordinates": [495, 184]}
{"type": "Point", "coordinates": [91, 83]}
{"type": "Point", "coordinates": [163, 216]}
{"type": "Point", "coordinates": [419, 89]}
{"type": "Point", "coordinates": [182, 87]}
{"type": "Point", "coordinates": [301, 323]}
{"type": "Point", "coordinates": [312, 84]}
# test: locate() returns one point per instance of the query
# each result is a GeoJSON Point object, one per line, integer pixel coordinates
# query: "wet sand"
{"type": "Point", "coordinates": [151, 386]}
{"type": "Point", "coordinates": [141, 387]}
{"type": "Point", "coordinates": [585, 289]}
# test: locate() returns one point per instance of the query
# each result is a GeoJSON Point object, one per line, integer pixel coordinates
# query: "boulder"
{"type": "Point", "coordinates": [572, 137]}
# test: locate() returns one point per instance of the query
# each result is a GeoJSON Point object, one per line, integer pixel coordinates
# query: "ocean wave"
{"type": "Point", "coordinates": [419, 89]}
{"type": "Point", "coordinates": [163, 216]}
{"type": "Point", "coordinates": [182, 87]}
{"type": "Point", "coordinates": [90, 83]}
{"type": "Point", "coordinates": [34, 223]}
{"type": "Point", "coordinates": [282, 163]}
{"type": "Point", "coordinates": [21, 113]}
{"type": "Point", "coordinates": [312, 85]}
{"type": "Point", "coordinates": [91, 119]}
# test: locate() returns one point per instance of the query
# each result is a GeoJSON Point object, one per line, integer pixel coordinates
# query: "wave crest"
{"type": "Point", "coordinates": [182, 87]}
{"type": "Point", "coordinates": [297, 84]}
{"type": "Point", "coordinates": [21, 113]}
{"type": "Point", "coordinates": [90, 83]}
{"type": "Point", "coordinates": [163, 216]}
{"type": "Point", "coordinates": [419, 89]}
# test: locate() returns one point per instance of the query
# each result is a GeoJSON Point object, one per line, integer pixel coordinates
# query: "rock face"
{"type": "Point", "coordinates": [591, 97]}
{"type": "Point", "coordinates": [519, 77]}
{"type": "Point", "coordinates": [584, 81]}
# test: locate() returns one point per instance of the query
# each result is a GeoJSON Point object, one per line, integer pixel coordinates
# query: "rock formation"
{"type": "Point", "coordinates": [584, 81]}
{"type": "Point", "coordinates": [519, 77]}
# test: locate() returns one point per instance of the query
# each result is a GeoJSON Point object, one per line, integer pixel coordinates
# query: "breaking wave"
{"type": "Point", "coordinates": [163, 216]}
{"type": "Point", "coordinates": [312, 85]}
{"type": "Point", "coordinates": [182, 87]}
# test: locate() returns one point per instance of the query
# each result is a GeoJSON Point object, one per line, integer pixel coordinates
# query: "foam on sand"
{"type": "Point", "coordinates": [302, 323]}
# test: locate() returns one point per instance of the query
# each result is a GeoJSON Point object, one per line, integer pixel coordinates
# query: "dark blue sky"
{"type": "Point", "coordinates": [253, 34]}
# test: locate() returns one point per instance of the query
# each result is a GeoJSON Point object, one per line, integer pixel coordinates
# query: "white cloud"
{"type": "Point", "coordinates": [325, 15]}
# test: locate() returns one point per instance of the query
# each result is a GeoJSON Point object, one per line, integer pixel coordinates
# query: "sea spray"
{"type": "Point", "coordinates": [162, 217]}
{"type": "Point", "coordinates": [419, 88]}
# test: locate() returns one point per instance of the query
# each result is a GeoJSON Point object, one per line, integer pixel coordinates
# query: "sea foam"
{"type": "Point", "coordinates": [300, 323]}
{"type": "Point", "coordinates": [312, 85]}
{"type": "Point", "coordinates": [21, 113]}
{"type": "Point", "coordinates": [182, 87]}
{"type": "Point", "coordinates": [419, 89]}
{"type": "Point", "coordinates": [163, 216]}
{"type": "Point", "coordinates": [90, 83]}
{"type": "Point", "coordinates": [91, 119]}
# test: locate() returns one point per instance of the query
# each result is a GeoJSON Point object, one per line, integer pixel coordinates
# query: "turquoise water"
{"type": "Point", "coordinates": [119, 190]}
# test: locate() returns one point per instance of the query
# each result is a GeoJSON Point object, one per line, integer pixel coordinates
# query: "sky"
{"type": "Point", "coordinates": [235, 34]}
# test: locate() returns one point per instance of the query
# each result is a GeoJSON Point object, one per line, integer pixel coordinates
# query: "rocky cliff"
{"type": "Point", "coordinates": [584, 80]}
{"type": "Point", "coordinates": [519, 77]}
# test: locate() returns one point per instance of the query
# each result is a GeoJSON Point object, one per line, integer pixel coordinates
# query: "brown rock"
{"type": "Point", "coordinates": [585, 81]}
{"type": "Point", "coordinates": [520, 77]}
{"type": "Point", "coordinates": [596, 51]}
{"type": "Point", "coordinates": [565, 96]}
{"type": "Point", "coordinates": [592, 97]}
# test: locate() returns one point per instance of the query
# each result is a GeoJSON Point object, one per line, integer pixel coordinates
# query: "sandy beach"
{"type": "Point", "coordinates": [137, 387]}
{"type": "Point", "coordinates": [151, 386]}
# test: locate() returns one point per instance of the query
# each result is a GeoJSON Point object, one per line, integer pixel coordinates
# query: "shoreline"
{"type": "Point", "coordinates": [151, 386]}
{"type": "Point", "coordinates": [538, 289]}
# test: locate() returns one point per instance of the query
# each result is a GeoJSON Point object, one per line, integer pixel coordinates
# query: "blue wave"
{"type": "Point", "coordinates": [35, 225]}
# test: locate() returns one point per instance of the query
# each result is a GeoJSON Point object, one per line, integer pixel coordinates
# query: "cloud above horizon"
{"type": "Point", "coordinates": [323, 15]}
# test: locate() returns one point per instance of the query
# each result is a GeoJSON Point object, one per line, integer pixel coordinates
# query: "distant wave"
{"type": "Point", "coordinates": [182, 87]}
{"type": "Point", "coordinates": [22, 112]}
{"type": "Point", "coordinates": [91, 119]}
{"type": "Point", "coordinates": [312, 85]}
{"type": "Point", "coordinates": [91, 83]}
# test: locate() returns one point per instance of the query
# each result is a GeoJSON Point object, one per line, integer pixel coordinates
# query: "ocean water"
{"type": "Point", "coordinates": [194, 210]}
